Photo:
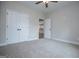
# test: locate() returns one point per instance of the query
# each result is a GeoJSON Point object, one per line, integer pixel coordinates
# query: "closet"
{"type": "Point", "coordinates": [17, 26]}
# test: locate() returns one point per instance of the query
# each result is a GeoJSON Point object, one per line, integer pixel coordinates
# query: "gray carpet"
{"type": "Point", "coordinates": [41, 49]}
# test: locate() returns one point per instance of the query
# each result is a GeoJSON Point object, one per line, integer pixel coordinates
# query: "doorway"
{"type": "Point", "coordinates": [41, 28]}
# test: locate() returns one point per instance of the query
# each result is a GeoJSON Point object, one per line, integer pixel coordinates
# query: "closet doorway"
{"type": "Point", "coordinates": [41, 28]}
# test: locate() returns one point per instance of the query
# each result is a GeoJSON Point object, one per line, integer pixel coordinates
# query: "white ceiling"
{"type": "Point", "coordinates": [41, 7]}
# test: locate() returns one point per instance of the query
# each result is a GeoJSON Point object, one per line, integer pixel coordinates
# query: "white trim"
{"type": "Point", "coordinates": [66, 41]}
{"type": "Point", "coordinates": [4, 44]}
{"type": "Point", "coordinates": [46, 38]}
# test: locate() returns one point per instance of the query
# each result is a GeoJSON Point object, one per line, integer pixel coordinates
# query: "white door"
{"type": "Point", "coordinates": [17, 27]}
{"type": "Point", "coordinates": [11, 32]}
{"type": "Point", "coordinates": [23, 27]}
{"type": "Point", "coordinates": [47, 28]}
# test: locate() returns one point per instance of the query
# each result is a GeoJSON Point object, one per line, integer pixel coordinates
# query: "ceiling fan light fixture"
{"type": "Point", "coordinates": [45, 1]}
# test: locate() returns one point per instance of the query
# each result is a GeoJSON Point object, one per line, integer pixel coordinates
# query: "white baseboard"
{"type": "Point", "coordinates": [47, 38]}
{"type": "Point", "coordinates": [66, 41]}
{"type": "Point", "coordinates": [4, 44]}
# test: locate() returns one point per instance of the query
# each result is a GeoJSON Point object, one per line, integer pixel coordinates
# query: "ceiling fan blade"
{"type": "Point", "coordinates": [54, 1]}
{"type": "Point", "coordinates": [38, 2]}
{"type": "Point", "coordinates": [46, 5]}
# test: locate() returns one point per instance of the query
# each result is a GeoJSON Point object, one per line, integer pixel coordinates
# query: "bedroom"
{"type": "Point", "coordinates": [20, 24]}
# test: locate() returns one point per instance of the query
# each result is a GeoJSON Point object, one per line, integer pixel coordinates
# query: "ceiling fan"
{"type": "Point", "coordinates": [46, 2]}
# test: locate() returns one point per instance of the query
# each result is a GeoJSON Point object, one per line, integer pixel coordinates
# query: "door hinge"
{"type": "Point", "coordinates": [7, 26]}
{"type": "Point", "coordinates": [7, 38]}
{"type": "Point", "coordinates": [7, 13]}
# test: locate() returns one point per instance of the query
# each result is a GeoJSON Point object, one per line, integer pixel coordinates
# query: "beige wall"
{"type": "Point", "coordinates": [65, 23]}
{"type": "Point", "coordinates": [2, 23]}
